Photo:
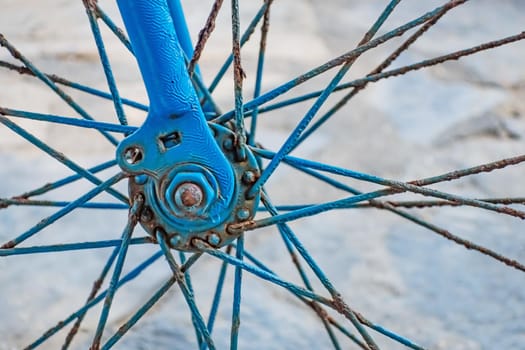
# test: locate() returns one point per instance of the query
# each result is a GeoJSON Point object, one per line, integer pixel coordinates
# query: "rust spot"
{"type": "Point", "coordinates": [8, 245]}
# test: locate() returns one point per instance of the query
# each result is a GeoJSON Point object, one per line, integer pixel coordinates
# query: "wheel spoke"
{"type": "Point", "coordinates": [387, 62]}
{"type": "Point", "coordinates": [134, 213]}
{"type": "Point", "coordinates": [204, 34]}
{"type": "Point", "coordinates": [119, 33]}
{"type": "Point", "coordinates": [412, 186]}
{"type": "Point", "coordinates": [442, 203]}
{"type": "Point", "coordinates": [139, 313]}
{"type": "Point", "coordinates": [60, 157]}
{"type": "Point", "coordinates": [92, 294]}
{"type": "Point", "coordinates": [40, 75]}
{"type": "Point", "coordinates": [315, 306]}
{"type": "Point", "coordinates": [357, 83]}
{"type": "Point", "coordinates": [245, 37]}
{"type": "Point", "coordinates": [110, 79]}
{"type": "Point", "coordinates": [292, 238]}
{"type": "Point", "coordinates": [83, 123]}
{"type": "Point", "coordinates": [413, 218]}
{"type": "Point", "coordinates": [6, 202]}
{"type": "Point", "coordinates": [187, 279]}
{"type": "Point", "coordinates": [237, 286]}
{"type": "Point", "coordinates": [260, 68]}
{"type": "Point", "coordinates": [350, 55]}
{"type": "Point", "coordinates": [65, 181]}
{"type": "Point", "coordinates": [295, 259]}
{"type": "Point", "coordinates": [128, 277]}
{"type": "Point", "coordinates": [67, 247]}
{"type": "Point", "coordinates": [62, 212]}
{"type": "Point", "coordinates": [293, 138]}
{"type": "Point", "coordinates": [178, 274]}
{"type": "Point", "coordinates": [264, 274]}
{"type": "Point", "coordinates": [217, 296]}
{"type": "Point", "coordinates": [62, 81]}
{"type": "Point", "coordinates": [238, 76]}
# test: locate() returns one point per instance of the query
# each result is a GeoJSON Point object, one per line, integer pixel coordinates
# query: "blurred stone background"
{"type": "Point", "coordinates": [459, 114]}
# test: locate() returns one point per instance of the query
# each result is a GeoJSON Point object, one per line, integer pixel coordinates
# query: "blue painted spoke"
{"type": "Point", "coordinates": [304, 277]}
{"type": "Point", "coordinates": [187, 279]}
{"type": "Point", "coordinates": [209, 106]}
{"type": "Point", "coordinates": [128, 277]}
{"type": "Point", "coordinates": [348, 334]}
{"type": "Point", "coordinates": [126, 238]}
{"type": "Point", "coordinates": [117, 102]}
{"type": "Point", "coordinates": [62, 212]}
{"type": "Point", "coordinates": [139, 314]}
{"type": "Point", "coordinates": [361, 82]}
{"type": "Point", "coordinates": [62, 81]}
{"type": "Point", "coordinates": [119, 33]}
{"type": "Point", "coordinates": [294, 135]}
{"type": "Point", "coordinates": [291, 237]}
{"type": "Point", "coordinates": [65, 181]}
{"type": "Point", "coordinates": [217, 296]}
{"type": "Point", "coordinates": [83, 123]}
{"type": "Point", "coordinates": [264, 274]}
{"type": "Point", "coordinates": [259, 75]}
{"type": "Point", "coordinates": [412, 186]}
{"type": "Point", "coordinates": [237, 286]}
{"type": "Point", "coordinates": [245, 37]}
{"type": "Point", "coordinates": [391, 206]}
{"type": "Point", "coordinates": [398, 338]}
{"type": "Point", "coordinates": [178, 273]}
{"type": "Point", "coordinates": [350, 55]}
{"type": "Point", "coordinates": [65, 97]}
{"type": "Point", "coordinates": [149, 304]}
{"type": "Point", "coordinates": [92, 294]}
{"type": "Point", "coordinates": [391, 58]}
{"type": "Point", "coordinates": [238, 76]}
{"type": "Point", "coordinates": [204, 35]}
{"type": "Point", "coordinates": [71, 246]}
{"type": "Point", "coordinates": [315, 306]}
{"type": "Point", "coordinates": [292, 140]}
{"type": "Point", "coordinates": [60, 157]}
{"type": "Point", "coordinates": [6, 202]}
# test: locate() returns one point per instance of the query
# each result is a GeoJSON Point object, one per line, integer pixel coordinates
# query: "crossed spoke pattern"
{"type": "Point", "coordinates": [357, 329]}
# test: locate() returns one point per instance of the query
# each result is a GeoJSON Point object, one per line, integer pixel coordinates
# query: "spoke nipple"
{"type": "Point", "coordinates": [214, 239]}
{"type": "Point", "coordinates": [228, 144]}
{"type": "Point", "coordinates": [243, 214]}
{"type": "Point", "coordinates": [141, 179]}
{"type": "Point", "coordinates": [147, 215]}
{"type": "Point", "coordinates": [248, 177]}
{"type": "Point", "coordinates": [175, 240]}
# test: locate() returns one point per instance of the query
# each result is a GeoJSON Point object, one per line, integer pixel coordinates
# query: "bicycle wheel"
{"type": "Point", "coordinates": [327, 264]}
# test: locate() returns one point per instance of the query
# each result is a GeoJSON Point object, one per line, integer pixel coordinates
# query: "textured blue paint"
{"type": "Point", "coordinates": [174, 105]}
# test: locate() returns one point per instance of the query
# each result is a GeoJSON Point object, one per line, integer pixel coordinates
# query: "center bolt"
{"type": "Point", "coordinates": [188, 195]}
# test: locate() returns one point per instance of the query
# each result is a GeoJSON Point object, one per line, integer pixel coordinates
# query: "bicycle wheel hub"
{"type": "Point", "coordinates": [185, 201]}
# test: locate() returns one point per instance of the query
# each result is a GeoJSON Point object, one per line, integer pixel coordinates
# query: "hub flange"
{"type": "Point", "coordinates": [186, 204]}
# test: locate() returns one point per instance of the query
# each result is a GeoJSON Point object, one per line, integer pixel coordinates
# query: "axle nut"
{"type": "Point", "coordinates": [191, 194]}
{"type": "Point", "coordinates": [188, 195]}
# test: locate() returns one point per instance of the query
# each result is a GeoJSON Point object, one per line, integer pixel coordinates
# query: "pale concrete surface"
{"type": "Point", "coordinates": [399, 275]}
